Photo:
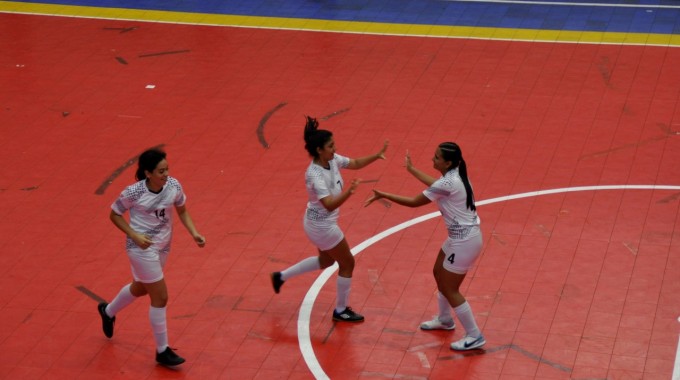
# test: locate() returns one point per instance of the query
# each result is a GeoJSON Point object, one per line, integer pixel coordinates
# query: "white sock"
{"type": "Point", "coordinates": [159, 326]}
{"type": "Point", "coordinates": [344, 285]}
{"type": "Point", "coordinates": [444, 308]}
{"type": "Point", "coordinates": [467, 319]}
{"type": "Point", "coordinates": [122, 300]}
{"type": "Point", "coordinates": [307, 265]}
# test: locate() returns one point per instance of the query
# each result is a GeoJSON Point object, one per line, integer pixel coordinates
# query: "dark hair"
{"type": "Point", "coordinates": [148, 161]}
{"type": "Point", "coordinates": [451, 152]}
{"type": "Point", "coordinates": [315, 137]}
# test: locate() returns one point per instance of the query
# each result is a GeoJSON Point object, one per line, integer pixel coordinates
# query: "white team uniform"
{"type": "Point", "coordinates": [151, 215]}
{"type": "Point", "coordinates": [464, 243]}
{"type": "Point", "coordinates": [320, 224]}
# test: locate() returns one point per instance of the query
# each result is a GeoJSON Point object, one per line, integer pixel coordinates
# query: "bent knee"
{"type": "Point", "coordinates": [346, 263]}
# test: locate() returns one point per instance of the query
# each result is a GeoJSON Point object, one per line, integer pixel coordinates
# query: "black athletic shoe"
{"type": "Point", "coordinates": [347, 315]}
{"type": "Point", "coordinates": [107, 322]}
{"type": "Point", "coordinates": [169, 357]}
{"type": "Point", "coordinates": [276, 281]}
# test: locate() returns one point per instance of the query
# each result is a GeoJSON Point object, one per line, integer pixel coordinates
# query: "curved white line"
{"type": "Point", "coordinates": [304, 337]}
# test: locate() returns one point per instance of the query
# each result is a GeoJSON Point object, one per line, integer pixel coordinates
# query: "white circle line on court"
{"type": "Point", "coordinates": [304, 336]}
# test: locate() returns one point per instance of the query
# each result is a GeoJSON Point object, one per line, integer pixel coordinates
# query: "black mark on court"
{"type": "Point", "coordinates": [237, 305]}
{"type": "Point", "coordinates": [325, 339]}
{"type": "Point", "coordinates": [623, 147]}
{"type": "Point", "coordinates": [265, 118]}
{"type": "Point", "coordinates": [164, 53]}
{"type": "Point", "coordinates": [89, 293]}
{"type": "Point", "coordinates": [498, 239]}
{"type": "Point", "coordinates": [185, 316]}
{"type": "Point", "coordinates": [667, 132]}
{"type": "Point", "coordinates": [603, 68]}
{"type": "Point", "coordinates": [131, 161]}
{"type": "Point", "coordinates": [29, 188]}
{"type": "Point", "coordinates": [335, 114]}
{"type": "Point", "coordinates": [121, 60]}
{"type": "Point", "coordinates": [263, 121]}
{"type": "Point", "coordinates": [519, 349]}
{"type": "Point", "coordinates": [667, 199]}
{"type": "Point", "coordinates": [398, 332]}
{"type": "Point", "coordinates": [122, 30]}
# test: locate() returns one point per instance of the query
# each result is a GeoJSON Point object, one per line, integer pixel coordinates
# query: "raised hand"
{"type": "Point", "coordinates": [353, 185]}
{"type": "Point", "coordinates": [381, 154]}
{"type": "Point", "coordinates": [374, 197]}
{"type": "Point", "coordinates": [407, 161]}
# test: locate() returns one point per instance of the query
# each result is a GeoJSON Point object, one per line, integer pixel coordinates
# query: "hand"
{"type": "Point", "coordinates": [381, 154]}
{"type": "Point", "coordinates": [200, 240]}
{"type": "Point", "coordinates": [376, 195]}
{"type": "Point", "coordinates": [353, 186]}
{"type": "Point", "coordinates": [142, 241]}
{"type": "Point", "coordinates": [409, 164]}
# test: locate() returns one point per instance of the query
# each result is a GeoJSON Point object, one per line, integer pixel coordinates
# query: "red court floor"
{"type": "Point", "coordinates": [579, 283]}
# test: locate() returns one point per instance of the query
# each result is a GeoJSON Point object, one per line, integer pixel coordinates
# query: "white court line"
{"type": "Point", "coordinates": [676, 367]}
{"type": "Point", "coordinates": [569, 4]}
{"type": "Point", "coordinates": [304, 337]}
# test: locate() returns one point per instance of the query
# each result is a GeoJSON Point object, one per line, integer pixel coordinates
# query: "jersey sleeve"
{"type": "Point", "coordinates": [180, 197]}
{"type": "Point", "coordinates": [341, 161]}
{"type": "Point", "coordinates": [123, 203]}
{"type": "Point", "coordinates": [437, 190]}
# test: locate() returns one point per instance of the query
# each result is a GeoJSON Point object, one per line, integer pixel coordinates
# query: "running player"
{"type": "Point", "coordinates": [150, 201]}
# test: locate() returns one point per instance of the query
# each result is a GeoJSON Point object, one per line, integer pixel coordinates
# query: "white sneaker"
{"type": "Point", "coordinates": [468, 343]}
{"type": "Point", "coordinates": [436, 324]}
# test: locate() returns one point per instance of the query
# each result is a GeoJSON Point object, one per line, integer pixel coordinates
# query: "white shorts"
{"type": "Point", "coordinates": [323, 234]}
{"type": "Point", "coordinates": [147, 264]}
{"type": "Point", "coordinates": [459, 255]}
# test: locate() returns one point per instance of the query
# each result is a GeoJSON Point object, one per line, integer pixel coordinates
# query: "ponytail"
{"type": "Point", "coordinates": [462, 170]}
{"type": "Point", "coordinates": [315, 137]}
{"type": "Point", "coordinates": [451, 152]}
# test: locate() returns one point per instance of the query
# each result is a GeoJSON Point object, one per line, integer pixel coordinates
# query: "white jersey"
{"type": "Point", "coordinates": [151, 213]}
{"type": "Point", "coordinates": [451, 197]}
{"type": "Point", "coordinates": [320, 183]}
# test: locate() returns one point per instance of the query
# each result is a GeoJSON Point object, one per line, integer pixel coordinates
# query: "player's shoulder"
{"type": "Point", "coordinates": [447, 181]}
{"type": "Point", "coordinates": [451, 177]}
{"type": "Point", "coordinates": [313, 171]}
{"type": "Point", "coordinates": [340, 159]}
{"type": "Point", "coordinates": [173, 183]}
{"type": "Point", "coordinates": [135, 191]}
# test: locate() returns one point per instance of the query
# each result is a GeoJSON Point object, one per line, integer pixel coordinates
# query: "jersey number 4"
{"type": "Point", "coordinates": [450, 258]}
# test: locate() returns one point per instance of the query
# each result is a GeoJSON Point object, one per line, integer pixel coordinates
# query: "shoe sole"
{"type": "Point", "coordinates": [476, 346]}
{"type": "Point", "coordinates": [438, 328]}
{"type": "Point", "coordinates": [338, 319]}
{"type": "Point", "coordinates": [348, 320]}
{"type": "Point", "coordinates": [169, 365]}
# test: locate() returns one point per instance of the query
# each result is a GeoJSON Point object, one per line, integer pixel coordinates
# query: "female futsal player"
{"type": "Point", "coordinates": [150, 202]}
{"type": "Point", "coordinates": [326, 192]}
{"type": "Point", "coordinates": [454, 197]}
